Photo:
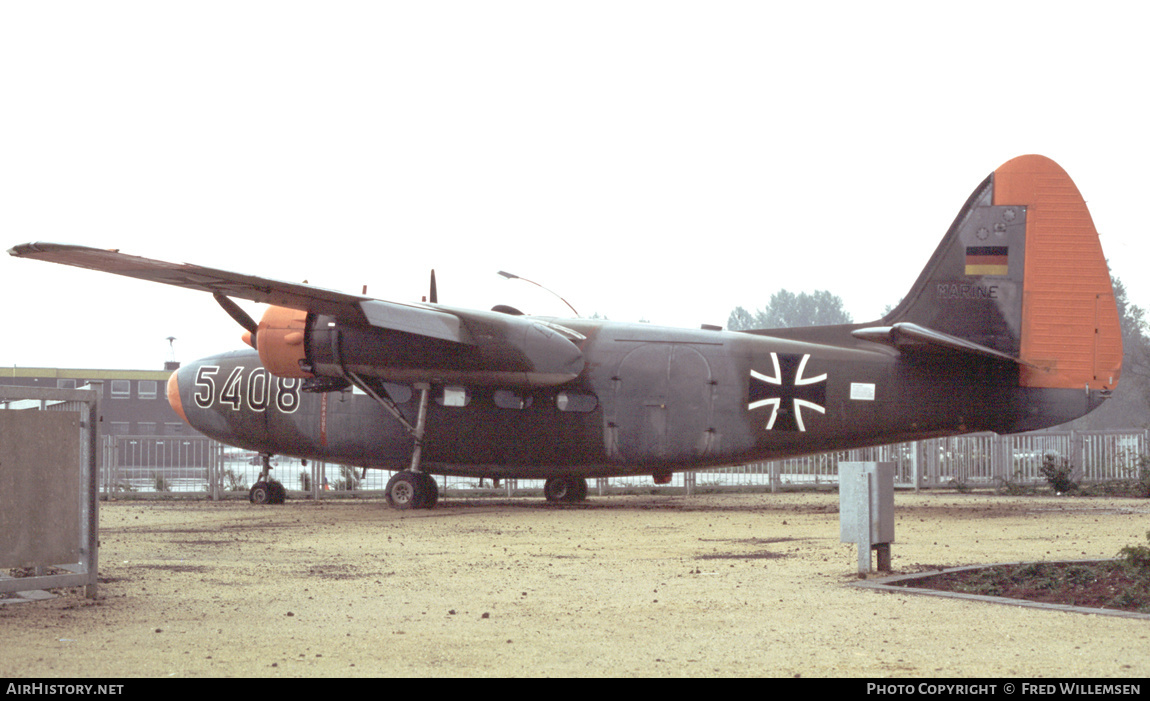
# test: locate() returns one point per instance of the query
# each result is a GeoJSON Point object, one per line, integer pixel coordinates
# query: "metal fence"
{"type": "Point", "coordinates": [196, 465]}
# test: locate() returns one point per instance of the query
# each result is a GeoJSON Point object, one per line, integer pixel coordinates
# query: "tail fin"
{"type": "Point", "coordinates": [1020, 274]}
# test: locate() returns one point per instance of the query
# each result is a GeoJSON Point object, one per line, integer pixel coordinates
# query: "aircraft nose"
{"type": "Point", "coordinates": [174, 395]}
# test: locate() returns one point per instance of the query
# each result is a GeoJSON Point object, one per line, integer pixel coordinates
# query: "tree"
{"type": "Point", "coordinates": [787, 309]}
{"type": "Point", "coordinates": [1130, 405]}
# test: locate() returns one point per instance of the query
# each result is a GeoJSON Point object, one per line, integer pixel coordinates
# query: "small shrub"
{"type": "Point", "coordinates": [348, 480]}
{"type": "Point", "coordinates": [1143, 483]}
{"type": "Point", "coordinates": [961, 486]}
{"type": "Point", "coordinates": [234, 482]}
{"type": "Point", "coordinates": [1058, 473]}
{"type": "Point", "coordinates": [1011, 487]}
{"type": "Point", "coordinates": [1136, 558]}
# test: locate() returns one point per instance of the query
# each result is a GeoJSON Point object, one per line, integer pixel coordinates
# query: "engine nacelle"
{"type": "Point", "coordinates": [494, 348]}
{"type": "Point", "coordinates": [280, 340]}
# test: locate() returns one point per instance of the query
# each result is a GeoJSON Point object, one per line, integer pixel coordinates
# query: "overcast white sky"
{"type": "Point", "coordinates": [661, 160]}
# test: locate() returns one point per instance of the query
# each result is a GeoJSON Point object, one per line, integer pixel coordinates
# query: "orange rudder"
{"type": "Point", "coordinates": [1071, 336]}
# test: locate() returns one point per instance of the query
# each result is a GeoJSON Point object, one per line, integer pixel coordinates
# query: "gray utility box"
{"type": "Point", "coordinates": [866, 509]}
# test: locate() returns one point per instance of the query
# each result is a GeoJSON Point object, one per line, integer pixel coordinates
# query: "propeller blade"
{"type": "Point", "coordinates": [242, 318]}
{"type": "Point", "coordinates": [433, 297]}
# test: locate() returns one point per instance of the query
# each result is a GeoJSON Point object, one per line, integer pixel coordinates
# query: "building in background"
{"type": "Point", "coordinates": [134, 402]}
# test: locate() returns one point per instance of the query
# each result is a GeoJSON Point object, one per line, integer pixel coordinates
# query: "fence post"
{"type": "Point", "coordinates": [1077, 450]}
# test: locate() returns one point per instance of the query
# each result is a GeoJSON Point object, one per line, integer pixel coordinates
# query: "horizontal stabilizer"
{"type": "Point", "coordinates": [910, 338]}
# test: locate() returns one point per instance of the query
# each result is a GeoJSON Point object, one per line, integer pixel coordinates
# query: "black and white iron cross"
{"type": "Point", "coordinates": [787, 392]}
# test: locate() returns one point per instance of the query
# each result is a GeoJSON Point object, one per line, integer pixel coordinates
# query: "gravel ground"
{"type": "Point", "coordinates": [654, 585]}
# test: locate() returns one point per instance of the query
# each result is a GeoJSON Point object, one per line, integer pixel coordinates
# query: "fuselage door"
{"type": "Point", "coordinates": [664, 398]}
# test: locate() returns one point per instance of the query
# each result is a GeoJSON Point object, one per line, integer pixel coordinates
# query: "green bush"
{"type": "Point", "coordinates": [1058, 473]}
{"type": "Point", "coordinates": [1136, 558]}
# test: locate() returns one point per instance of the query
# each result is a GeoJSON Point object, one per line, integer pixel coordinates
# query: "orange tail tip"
{"type": "Point", "coordinates": [1070, 325]}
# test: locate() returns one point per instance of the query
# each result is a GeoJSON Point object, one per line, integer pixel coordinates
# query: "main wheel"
{"type": "Point", "coordinates": [276, 492]}
{"type": "Point", "coordinates": [579, 488]}
{"type": "Point", "coordinates": [260, 493]}
{"type": "Point", "coordinates": [412, 490]}
{"type": "Point", "coordinates": [430, 496]}
{"type": "Point", "coordinates": [565, 489]}
{"type": "Point", "coordinates": [403, 490]}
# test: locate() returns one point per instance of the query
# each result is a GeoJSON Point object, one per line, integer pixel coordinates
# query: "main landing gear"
{"type": "Point", "coordinates": [565, 489]}
{"type": "Point", "coordinates": [267, 491]}
{"type": "Point", "coordinates": [412, 488]}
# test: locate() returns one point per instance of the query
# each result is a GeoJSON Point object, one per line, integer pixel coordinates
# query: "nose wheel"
{"type": "Point", "coordinates": [265, 490]}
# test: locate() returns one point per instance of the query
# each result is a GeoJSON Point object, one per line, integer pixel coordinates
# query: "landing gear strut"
{"type": "Point", "coordinates": [412, 488]}
{"type": "Point", "coordinates": [267, 491]}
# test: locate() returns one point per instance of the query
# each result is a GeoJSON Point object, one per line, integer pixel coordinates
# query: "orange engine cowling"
{"type": "Point", "coordinates": [280, 340]}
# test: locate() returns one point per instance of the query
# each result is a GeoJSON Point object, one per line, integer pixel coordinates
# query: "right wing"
{"type": "Point", "coordinates": [350, 309]}
{"type": "Point", "coordinates": [402, 342]}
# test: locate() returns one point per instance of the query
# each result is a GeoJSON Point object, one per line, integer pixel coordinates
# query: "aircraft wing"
{"type": "Point", "coordinates": [352, 309]}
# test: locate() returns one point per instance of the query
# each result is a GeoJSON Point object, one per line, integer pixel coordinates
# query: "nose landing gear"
{"type": "Point", "coordinates": [267, 491]}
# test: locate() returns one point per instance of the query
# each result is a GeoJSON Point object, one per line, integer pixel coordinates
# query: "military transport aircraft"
{"type": "Point", "coordinates": [1012, 326]}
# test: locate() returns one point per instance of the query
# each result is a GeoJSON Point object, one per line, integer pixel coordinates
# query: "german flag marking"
{"type": "Point", "coordinates": [987, 260]}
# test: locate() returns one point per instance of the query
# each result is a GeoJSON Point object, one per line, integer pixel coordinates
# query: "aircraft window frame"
{"type": "Point", "coordinates": [576, 402]}
{"type": "Point", "coordinates": [510, 399]}
{"type": "Point", "coordinates": [120, 389]}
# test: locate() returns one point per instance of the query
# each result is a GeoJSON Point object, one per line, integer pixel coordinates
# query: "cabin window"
{"type": "Point", "coordinates": [507, 399]}
{"type": "Point", "coordinates": [147, 389]}
{"type": "Point", "coordinates": [121, 389]}
{"type": "Point", "coordinates": [578, 402]}
{"type": "Point", "coordinates": [453, 396]}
